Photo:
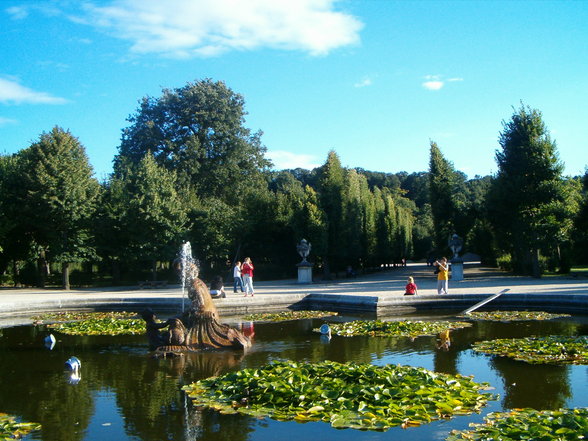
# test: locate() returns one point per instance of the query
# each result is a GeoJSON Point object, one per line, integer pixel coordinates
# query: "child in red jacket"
{"type": "Point", "coordinates": [411, 288]}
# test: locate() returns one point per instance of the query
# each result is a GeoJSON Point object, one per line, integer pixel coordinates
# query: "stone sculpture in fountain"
{"type": "Point", "coordinates": [198, 327]}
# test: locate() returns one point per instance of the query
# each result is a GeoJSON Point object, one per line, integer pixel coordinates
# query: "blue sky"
{"type": "Point", "coordinates": [374, 80]}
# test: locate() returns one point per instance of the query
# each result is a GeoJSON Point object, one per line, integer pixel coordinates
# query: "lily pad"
{"type": "Point", "coordinates": [350, 395]}
{"type": "Point", "coordinates": [509, 316]}
{"type": "Point", "coordinates": [11, 429]}
{"type": "Point", "coordinates": [394, 329]}
{"type": "Point", "coordinates": [528, 424]}
{"type": "Point", "coordinates": [288, 315]}
{"type": "Point", "coordinates": [554, 349]}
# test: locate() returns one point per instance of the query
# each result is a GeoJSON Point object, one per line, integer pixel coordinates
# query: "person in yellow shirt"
{"type": "Point", "coordinates": [442, 275]}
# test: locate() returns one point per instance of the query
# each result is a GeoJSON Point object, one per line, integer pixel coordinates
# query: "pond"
{"type": "Point", "coordinates": [124, 394]}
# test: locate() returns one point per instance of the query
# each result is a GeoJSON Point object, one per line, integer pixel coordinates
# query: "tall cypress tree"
{"type": "Point", "coordinates": [331, 182]}
{"type": "Point", "coordinates": [443, 204]}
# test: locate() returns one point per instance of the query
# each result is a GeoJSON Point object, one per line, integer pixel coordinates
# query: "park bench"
{"type": "Point", "coordinates": [152, 284]}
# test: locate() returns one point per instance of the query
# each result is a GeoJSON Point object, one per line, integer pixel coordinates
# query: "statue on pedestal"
{"type": "Point", "coordinates": [304, 267]}
{"type": "Point", "coordinates": [455, 244]}
{"type": "Point", "coordinates": [303, 249]}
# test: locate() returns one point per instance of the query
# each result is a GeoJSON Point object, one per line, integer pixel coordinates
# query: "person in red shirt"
{"type": "Point", "coordinates": [411, 288]}
{"type": "Point", "coordinates": [247, 274]}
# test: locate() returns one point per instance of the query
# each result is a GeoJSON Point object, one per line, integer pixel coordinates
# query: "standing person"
{"type": "Point", "coordinates": [411, 288]}
{"type": "Point", "coordinates": [442, 275]}
{"type": "Point", "coordinates": [238, 281]}
{"type": "Point", "coordinates": [247, 272]}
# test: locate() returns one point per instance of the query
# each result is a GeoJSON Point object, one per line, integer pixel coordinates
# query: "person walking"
{"type": "Point", "coordinates": [237, 280]}
{"type": "Point", "coordinates": [442, 275]}
{"type": "Point", "coordinates": [247, 272]}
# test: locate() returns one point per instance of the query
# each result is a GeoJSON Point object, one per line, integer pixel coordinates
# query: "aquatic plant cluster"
{"type": "Point", "coordinates": [94, 323]}
{"type": "Point", "coordinates": [350, 395]}
{"type": "Point", "coordinates": [288, 315]}
{"type": "Point", "coordinates": [508, 316]}
{"type": "Point", "coordinates": [11, 429]}
{"type": "Point", "coordinates": [553, 349]}
{"type": "Point", "coordinates": [104, 326]}
{"type": "Point", "coordinates": [68, 316]}
{"type": "Point", "coordinates": [528, 424]}
{"type": "Point", "coordinates": [394, 329]}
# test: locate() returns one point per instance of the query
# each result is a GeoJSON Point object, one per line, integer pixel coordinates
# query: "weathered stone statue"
{"type": "Point", "coordinates": [303, 249]}
{"type": "Point", "coordinates": [198, 328]}
{"type": "Point", "coordinates": [455, 244]}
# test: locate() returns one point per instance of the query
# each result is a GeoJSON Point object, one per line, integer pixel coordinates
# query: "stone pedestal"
{"type": "Point", "coordinates": [456, 269]}
{"type": "Point", "coordinates": [304, 272]}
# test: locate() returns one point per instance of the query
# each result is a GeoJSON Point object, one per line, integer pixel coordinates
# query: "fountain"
{"type": "Point", "coordinates": [198, 327]}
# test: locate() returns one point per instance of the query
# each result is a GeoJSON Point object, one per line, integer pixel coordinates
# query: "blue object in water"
{"type": "Point", "coordinates": [73, 364]}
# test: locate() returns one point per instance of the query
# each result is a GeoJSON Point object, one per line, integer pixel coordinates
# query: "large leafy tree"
{"type": "Point", "coordinates": [60, 199]}
{"type": "Point", "coordinates": [528, 195]}
{"type": "Point", "coordinates": [198, 131]}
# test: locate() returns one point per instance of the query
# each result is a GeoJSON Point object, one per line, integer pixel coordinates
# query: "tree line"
{"type": "Point", "coordinates": [188, 169]}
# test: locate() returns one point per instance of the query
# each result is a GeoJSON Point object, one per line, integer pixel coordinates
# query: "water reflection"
{"type": "Point", "coordinates": [125, 394]}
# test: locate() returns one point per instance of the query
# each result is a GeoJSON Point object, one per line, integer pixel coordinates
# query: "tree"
{"type": "Point", "coordinates": [60, 199]}
{"type": "Point", "coordinates": [527, 197]}
{"type": "Point", "coordinates": [331, 184]}
{"type": "Point", "coordinates": [581, 225]}
{"type": "Point", "coordinates": [145, 211]}
{"type": "Point", "coordinates": [197, 131]}
{"type": "Point", "coordinates": [442, 180]}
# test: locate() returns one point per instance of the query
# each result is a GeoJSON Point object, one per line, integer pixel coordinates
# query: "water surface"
{"type": "Point", "coordinates": [124, 394]}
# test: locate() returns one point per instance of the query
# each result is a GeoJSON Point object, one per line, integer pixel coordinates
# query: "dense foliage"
{"type": "Point", "coordinates": [554, 349]}
{"type": "Point", "coordinates": [531, 207]}
{"type": "Point", "coordinates": [188, 169]}
{"type": "Point", "coordinates": [528, 424]}
{"type": "Point", "coordinates": [359, 396]}
{"type": "Point", "coordinates": [394, 329]}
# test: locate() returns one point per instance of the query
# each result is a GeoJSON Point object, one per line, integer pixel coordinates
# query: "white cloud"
{"type": "Point", "coordinates": [17, 12]}
{"type": "Point", "coordinates": [364, 82]}
{"type": "Point", "coordinates": [183, 28]}
{"type": "Point", "coordinates": [435, 82]}
{"type": "Point", "coordinates": [433, 85]}
{"type": "Point", "coordinates": [288, 160]}
{"type": "Point", "coordinates": [13, 92]}
{"type": "Point", "coordinates": [6, 121]}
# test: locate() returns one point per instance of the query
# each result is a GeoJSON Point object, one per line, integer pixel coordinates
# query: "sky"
{"type": "Point", "coordinates": [374, 80]}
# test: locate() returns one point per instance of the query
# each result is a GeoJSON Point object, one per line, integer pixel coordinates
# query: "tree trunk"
{"type": "Point", "coordinates": [41, 269]}
{"type": "Point", "coordinates": [535, 263]}
{"type": "Point", "coordinates": [154, 269]}
{"type": "Point", "coordinates": [115, 271]}
{"type": "Point", "coordinates": [65, 275]}
{"type": "Point", "coordinates": [16, 274]}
